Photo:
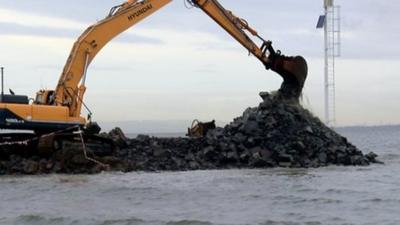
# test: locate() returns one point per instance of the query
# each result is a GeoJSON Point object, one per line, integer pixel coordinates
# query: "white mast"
{"type": "Point", "coordinates": [330, 21]}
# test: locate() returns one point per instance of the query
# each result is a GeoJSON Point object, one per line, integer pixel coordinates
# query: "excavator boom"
{"type": "Point", "coordinates": [71, 85]}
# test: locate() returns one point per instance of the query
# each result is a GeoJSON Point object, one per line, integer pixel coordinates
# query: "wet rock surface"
{"type": "Point", "coordinates": [277, 133]}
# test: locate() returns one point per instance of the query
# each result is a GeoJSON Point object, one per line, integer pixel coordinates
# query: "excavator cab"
{"type": "Point", "coordinates": [44, 97]}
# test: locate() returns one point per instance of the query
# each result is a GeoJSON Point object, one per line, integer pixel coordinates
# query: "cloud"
{"type": "Point", "coordinates": [293, 31]}
{"type": "Point", "coordinates": [14, 22]}
{"type": "Point", "coordinates": [33, 20]}
{"type": "Point", "coordinates": [17, 29]}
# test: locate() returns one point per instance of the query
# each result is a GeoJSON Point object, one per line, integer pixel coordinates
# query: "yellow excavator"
{"type": "Point", "coordinates": [59, 110]}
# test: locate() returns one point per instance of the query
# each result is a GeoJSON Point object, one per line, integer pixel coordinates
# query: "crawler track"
{"type": "Point", "coordinates": [30, 144]}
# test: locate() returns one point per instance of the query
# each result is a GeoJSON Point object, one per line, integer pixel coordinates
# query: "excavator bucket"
{"type": "Point", "coordinates": [293, 70]}
{"type": "Point", "coordinates": [200, 129]}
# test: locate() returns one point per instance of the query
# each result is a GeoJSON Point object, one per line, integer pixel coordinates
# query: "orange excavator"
{"type": "Point", "coordinates": [59, 110]}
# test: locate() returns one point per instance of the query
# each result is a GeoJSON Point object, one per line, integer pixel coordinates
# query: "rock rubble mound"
{"type": "Point", "coordinates": [277, 133]}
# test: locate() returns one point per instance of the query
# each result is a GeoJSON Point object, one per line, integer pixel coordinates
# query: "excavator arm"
{"type": "Point", "coordinates": [293, 70]}
{"type": "Point", "coordinates": [71, 85]}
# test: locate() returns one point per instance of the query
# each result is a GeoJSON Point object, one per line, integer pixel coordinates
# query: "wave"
{"type": "Point", "coordinates": [189, 222]}
{"type": "Point", "coordinates": [33, 219]}
{"type": "Point", "coordinates": [36, 219]}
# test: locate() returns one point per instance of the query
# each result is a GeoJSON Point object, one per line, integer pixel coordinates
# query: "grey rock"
{"type": "Point", "coordinates": [371, 157]}
{"type": "Point", "coordinates": [257, 161]}
{"type": "Point", "coordinates": [194, 165]}
{"type": "Point", "coordinates": [265, 96]}
{"type": "Point", "coordinates": [285, 164]}
{"type": "Point", "coordinates": [161, 153]}
{"type": "Point", "coordinates": [309, 129]}
{"type": "Point", "coordinates": [266, 154]}
{"type": "Point", "coordinates": [285, 158]}
{"type": "Point", "coordinates": [244, 157]}
{"type": "Point", "coordinates": [232, 156]}
{"type": "Point", "coordinates": [239, 138]}
{"type": "Point", "coordinates": [118, 136]}
{"type": "Point", "coordinates": [31, 167]}
{"type": "Point", "coordinates": [143, 138]}
{"type": "Point", "coordinates": [251, 128]}
{"type": "Point", "coordinates": [210, 152]}
{"type": "Point", "coordinates": [323, 157]}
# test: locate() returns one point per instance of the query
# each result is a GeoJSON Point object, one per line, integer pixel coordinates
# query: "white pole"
{"type": "Point", "coordinates": [326, 63]}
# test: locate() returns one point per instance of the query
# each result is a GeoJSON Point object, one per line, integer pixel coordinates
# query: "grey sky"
{"type": "Point", "coordinates": [178, 64]}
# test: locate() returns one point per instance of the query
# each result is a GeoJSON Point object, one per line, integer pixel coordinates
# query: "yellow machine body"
{"type": "Point", "coordinates": [37, 117]}
{"type": "Point", "coordinates": [61, 107]}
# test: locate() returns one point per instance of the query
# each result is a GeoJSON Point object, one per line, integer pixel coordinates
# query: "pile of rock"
{"type": "Point", "coordinates": [279, 132]}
